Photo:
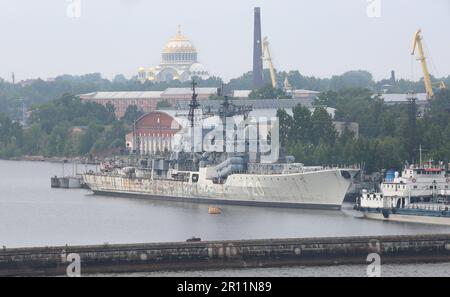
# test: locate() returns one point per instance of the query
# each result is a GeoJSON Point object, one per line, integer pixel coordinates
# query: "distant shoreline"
{"type": "Point", "coordinates": [79, 160]}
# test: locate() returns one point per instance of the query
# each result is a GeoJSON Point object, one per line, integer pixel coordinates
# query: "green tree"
{"type": "Point", "coordinates": [322, 128]}
{"type": "Point", "coordinates": [267, 92]}
{"type": "Point", "coordinates": [34, 140]}
{"type": "Point", "coordinates": [163, 104]}
{"type": "Point", "coordinates": [132, 114]}
{"type": "Point", "coordinates": [286, 123]}
{"type": "Point", "coordinates": [301, 125]}
{"type": "Point", "coordinates": [111, 109]}
{"type": "Point", "coordinates": [11, 135]}
{"type": "Point", "coordinates": [57, 140]}
{"type": "Point", "coordinates": [352, 79]}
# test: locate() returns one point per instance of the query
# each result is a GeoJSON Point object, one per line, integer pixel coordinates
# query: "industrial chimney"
{"type": "Point", "coordinates": [257, 52]}
{"type": "Point", "coordinates": [393, 80]}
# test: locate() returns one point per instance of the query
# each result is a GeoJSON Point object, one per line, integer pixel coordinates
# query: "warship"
{"type": "Point", "coordinates": [249, 176]}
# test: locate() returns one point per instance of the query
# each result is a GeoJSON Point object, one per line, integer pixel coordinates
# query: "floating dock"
{"type": "Point", "coordinates": [225, 254]}
{"type": "Point", "coordinates": [68, 182]}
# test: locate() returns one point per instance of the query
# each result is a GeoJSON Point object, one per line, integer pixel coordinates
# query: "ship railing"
{"type": "Point", "coordinates": [342, 166]}
{"type": "Point", "coordinates": [429, 207]}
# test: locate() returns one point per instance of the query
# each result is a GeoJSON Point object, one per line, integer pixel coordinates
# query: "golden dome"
{"type": "Point", "coordinates": [179, 44]}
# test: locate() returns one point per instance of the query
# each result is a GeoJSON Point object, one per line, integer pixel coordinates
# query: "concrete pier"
{"type": "Point", "coordinates": [225, 254]}
{"type": "Point", "coordinates": [68, 182]}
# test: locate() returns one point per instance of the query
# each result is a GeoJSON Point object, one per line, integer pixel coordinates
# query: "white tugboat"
{"type": "Point", "coordinates": [420, 195]}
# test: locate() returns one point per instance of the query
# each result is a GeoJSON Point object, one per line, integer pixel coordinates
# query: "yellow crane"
{"type": "Point", "coordinates": [426, 75]}
{"type": "Point", "coordinates": [267, 57]}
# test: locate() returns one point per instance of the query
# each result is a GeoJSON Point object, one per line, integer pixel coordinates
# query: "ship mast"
{"type": "Point", "coordinates": [228, 109]}
{"type": "Point", "coordinates": [193, 105]}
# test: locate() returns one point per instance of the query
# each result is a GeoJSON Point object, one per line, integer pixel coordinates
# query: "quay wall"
{"type": "Point", "coordinates": [225, 254]}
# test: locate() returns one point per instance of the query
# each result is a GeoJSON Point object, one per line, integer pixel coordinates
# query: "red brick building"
{"type": "Point", "coordinates": [153, 133]}
{"type": "Point", "coordinates": [146, 100]}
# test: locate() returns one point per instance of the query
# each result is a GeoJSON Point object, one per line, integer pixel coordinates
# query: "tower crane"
{"type": "Point", "coordinates": [426, 75]}
{"type": "Point", "coordinates": [267, 57]}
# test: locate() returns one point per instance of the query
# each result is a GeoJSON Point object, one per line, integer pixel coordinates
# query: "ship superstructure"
{"type": "Point", "coordinates": [418, 182]}
{"type": "Point", "coordinates": [421, 195]}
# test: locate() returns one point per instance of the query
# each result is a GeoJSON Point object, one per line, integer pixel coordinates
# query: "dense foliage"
{"type": "Point", "coordinates": [350, 79]}
{"type": "Point", "coordinates": [64, 127]}
{"type": "Point", "coordinates": [33, 92]}
{"type": "Point", "coordinates": [132, 114]}
{"type": "Point", "coordinates": [384, 140]}
{"type": "Point", "coordinates": [268, 92]}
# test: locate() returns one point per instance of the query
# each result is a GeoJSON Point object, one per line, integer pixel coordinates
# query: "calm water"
{"type": "Point", "coordinates": [33, 214]}
{"type": "Point", "coordinates": [387, 270]}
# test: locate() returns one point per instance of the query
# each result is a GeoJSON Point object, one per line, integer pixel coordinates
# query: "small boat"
{"type": "Point", "coordinates": [401, 209]}
{"type": "Point", "coordinates": [214, 210]}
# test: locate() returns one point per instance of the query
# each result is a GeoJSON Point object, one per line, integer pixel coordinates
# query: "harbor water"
{"type": "Point", "coordinates": [34, 214]}
{"type": "Point", "coordinates": [386, 270]}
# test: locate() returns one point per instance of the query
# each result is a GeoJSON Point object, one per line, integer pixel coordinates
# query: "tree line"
{"type": "Point", "coordinates": [348, 80]}
{"type": "Point", "coordinates": [35, 92]}
{"type": "Point", "coordinates": [67, 127]}
{"type": "Point", "coordinates": [384, 131]}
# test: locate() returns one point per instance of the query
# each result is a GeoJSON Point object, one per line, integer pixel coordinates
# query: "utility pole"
{"type": "Point", "coordinates": [412, 125]}
{"type": "Point", "coordinates": [420, 155]}
{"type": "Point", "coordinates": [135, 145]}
{"type": "Point", "coordinates": [23, 111]}
{"type": "Point", "coordinates": [24, 115]}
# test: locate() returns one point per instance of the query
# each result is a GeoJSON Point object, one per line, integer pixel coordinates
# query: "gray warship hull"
{"type": "Point", "coordinates": [321, 189]}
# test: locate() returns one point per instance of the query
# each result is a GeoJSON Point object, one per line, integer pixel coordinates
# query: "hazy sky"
{"type": "Point", "coordinates": [320, 37]}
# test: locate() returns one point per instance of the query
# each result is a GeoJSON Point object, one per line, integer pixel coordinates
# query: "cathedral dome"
{"type": "Point", "coordinates": [179, 62]}
{"type": "Point", "coordinates": [179, 44]}
{"type": "Point", "coordinates": [198, 69]}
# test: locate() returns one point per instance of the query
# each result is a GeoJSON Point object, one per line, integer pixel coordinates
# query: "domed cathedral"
{"type": "Point", "coordinates": [179, 62]}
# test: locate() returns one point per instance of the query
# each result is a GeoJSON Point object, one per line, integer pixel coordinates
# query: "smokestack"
{"type": "Point", "coordinates": [393, 80]}
{"type": "Point", "coordinates": [257, 52]}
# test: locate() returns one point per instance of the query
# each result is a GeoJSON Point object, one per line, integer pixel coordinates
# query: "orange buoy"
{"type": "Point", "coordinates": [214, 210]}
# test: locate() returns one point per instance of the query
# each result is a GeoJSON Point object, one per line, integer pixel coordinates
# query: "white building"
{"type": "Point", "coordinates": [179, 62]}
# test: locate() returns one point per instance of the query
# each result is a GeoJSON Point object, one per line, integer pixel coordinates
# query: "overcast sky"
{"type": "Point", "coordinates": [320, 37]}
